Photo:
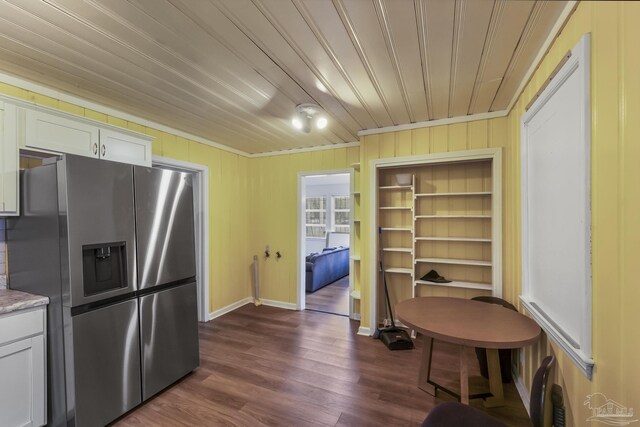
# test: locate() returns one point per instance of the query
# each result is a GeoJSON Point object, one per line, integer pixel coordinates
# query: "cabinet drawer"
{"type": "Point", "coordinates": [21, 324]}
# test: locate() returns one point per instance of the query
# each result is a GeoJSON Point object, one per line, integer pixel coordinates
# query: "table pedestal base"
{"type": "Point", "coordinates": [492, 399]}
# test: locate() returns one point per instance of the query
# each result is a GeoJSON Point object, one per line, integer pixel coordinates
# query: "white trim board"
{"type": "Point", "coordinates": [524, 393]}
{"type": "Point", "coordinates": [278, 304]}
{"type": "Point", "coordinates": [201, 225]}
{"type": "Point", "coordinates": [494, 154]}
{"type": "Point", "coordinates": [556, 209]}
{"type": "Point", "coordinates": [224, 310]}
{"type": "Point", "coordinates": [432, 123]}
{"type": "Point", "coordinates": [365, 332]}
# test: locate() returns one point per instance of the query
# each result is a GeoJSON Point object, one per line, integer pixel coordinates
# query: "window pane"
{"type": "Point", "coordinates": [316, 218]}
{"type": "Point", "coordinates": [316, 203]}
{"type": "Point", "coordinates": [315, 231]}
{"type": "Point", "coordinates": [341, 202]}
{"type": "Point", "coordinates": [341, 218]}
{"type": "Point", "coordinates": [342, 228]}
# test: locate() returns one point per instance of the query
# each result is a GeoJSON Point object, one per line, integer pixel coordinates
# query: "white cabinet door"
{"type": "Point", "coordinates": [59, 134]}
{"type": "Point", "coordinates": [9, 166]}
{"type": "Point", "coordinates": [121, 147]}
{"type": "Point", "coordinates": [23, 388]}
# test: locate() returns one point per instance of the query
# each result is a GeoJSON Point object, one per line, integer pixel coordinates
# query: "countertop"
{"type": "Point", "coordinates": [11, 300]}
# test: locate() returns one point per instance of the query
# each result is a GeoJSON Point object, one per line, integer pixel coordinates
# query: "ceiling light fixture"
{"type": "Point", "coordinates": [308, 114]}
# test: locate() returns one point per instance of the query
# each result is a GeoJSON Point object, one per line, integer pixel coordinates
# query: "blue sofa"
{"type": "Point", "coordinates": [326, 267]}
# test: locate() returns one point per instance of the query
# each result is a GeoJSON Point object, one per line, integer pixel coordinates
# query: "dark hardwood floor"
{"type": "Point", "coordinates": [264, 366]}
{"type": "Point", "coordinates": [333, 298]}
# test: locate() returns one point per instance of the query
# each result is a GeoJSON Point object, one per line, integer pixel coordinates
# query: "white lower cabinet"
{"type": "Point", "coordinates": [23, 368]}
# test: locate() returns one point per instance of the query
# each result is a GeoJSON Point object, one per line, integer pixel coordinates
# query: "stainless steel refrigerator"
{"type": "Point", "coordinates": [116, 314]}
{"type": "Point", "coordinates": [166, 276]}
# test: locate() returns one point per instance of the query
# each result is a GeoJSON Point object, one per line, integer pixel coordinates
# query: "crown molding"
{"type": "Point", "coordinates": [563, 18]}
{"type": "Point", "coordinates": [432, 123]}
{"type": "Point", "coordinates": [306, 149]}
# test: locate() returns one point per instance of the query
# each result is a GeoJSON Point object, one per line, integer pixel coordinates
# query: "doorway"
{"type": "Point", "coordinates": [324, 241]}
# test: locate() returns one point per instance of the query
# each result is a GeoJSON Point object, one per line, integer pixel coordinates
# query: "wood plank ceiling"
{"type": "Point", "coordinates": [232, 71]}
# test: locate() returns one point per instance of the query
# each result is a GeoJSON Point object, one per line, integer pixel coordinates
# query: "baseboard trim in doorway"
{"type": "Point", "coordinates": [327, 312]}
{"type": "Point", "coordinates": [364, 331]}
{"type": "Point", "coordinates": [230, 307]}
{"type": "Point", "coordinates": [279, 304]}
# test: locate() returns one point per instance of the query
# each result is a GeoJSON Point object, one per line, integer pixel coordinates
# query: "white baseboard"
{"type": "Point", "coordinates": [364, 331]}
{"type": "Point", "coordinates": [523, 392]}
{"type": "Point", "coordinates": [230, 307]}
{"type": "Point", "coordinates": [279, 304]}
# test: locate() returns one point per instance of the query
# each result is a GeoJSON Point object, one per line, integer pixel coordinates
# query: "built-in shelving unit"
{"type": "Point", "coordinates": [442, 221]}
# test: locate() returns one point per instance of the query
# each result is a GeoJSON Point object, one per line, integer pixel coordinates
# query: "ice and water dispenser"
{"type": "Point", "coordinates": [104, 267]}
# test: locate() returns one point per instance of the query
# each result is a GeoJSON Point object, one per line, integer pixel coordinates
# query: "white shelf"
{"type": "Point", "coordinates": [454, 239]}
{"type": "Point", "coordinates": [455, 261]}
{"type": "Point", "coordinates": [355, 257]}
{"type": "Point", "coordinates": [356, 220]}
{"type": "Point", "coordinates": [409, 229]}
{"type": "Point", "coordinates": [399, 270]}
{"type": "Point", "coordinates": [356, 166]}
{"type": "Point", "coordinates": [355, 294]}
{"type": "Point", "coordinates": [452, 216]}
{"type": "Point", "coordinates": [355, 193]}
{"type": "Point", "coordinates": [396, 187]}
{"type": "Point", "coordinates": [477, 193]}
{"type": "Point", "coordinates": [394, 208]}
{"type": "Point", "coordinates": [406, 250]}
{"type": "Point", "coordinates": [457, 284]}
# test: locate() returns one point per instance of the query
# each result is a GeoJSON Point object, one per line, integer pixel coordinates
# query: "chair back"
{"type": "Point", "coordinates": [495, 300]}
{"type": "Point", "coordinates": [539, 391]}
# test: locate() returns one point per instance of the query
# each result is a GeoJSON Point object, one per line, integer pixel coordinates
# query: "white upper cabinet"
{"type": "Point", "coordinates": [24, 125]}
{"type": "Point", "coordinates": [8, 160]}
{"type": "Point", "coordinates": [60, 134]}
{"type": "Point", "coordinates": [126, 148]}
{"type": "Point", "coordinates": [63, 133]}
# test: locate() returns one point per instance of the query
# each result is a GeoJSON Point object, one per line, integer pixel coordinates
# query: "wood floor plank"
{"type": "Point", "coordinates": [333, 298]}
{"type": "Point", "coordinates": [265, 366]}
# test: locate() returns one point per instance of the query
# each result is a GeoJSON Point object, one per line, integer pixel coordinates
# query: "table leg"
{"type": "Point", "coordinates": [425, 366]}
{"type": "Point", "coordinates": [495, 380]}
{"type": "Point", "coordinates": [464, 376]}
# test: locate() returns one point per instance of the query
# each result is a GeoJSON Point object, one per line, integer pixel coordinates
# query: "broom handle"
{"type": "Point", "coordinates": [384, 279]}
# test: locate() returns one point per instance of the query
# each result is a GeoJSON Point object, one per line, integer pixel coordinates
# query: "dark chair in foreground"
{"type": "Point", "coordinates": [503, 354]}
{"type": "Point", "coordinates": [456, 414]}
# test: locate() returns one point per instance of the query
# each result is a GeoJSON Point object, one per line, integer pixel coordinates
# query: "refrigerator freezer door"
{"type": "Point", "coordinates": [169, 337]}
{"type": "Point", "coordinates": [164, 226]}
{"type": "Point", "coordinates": [106, 372]}
{"type": "Point", "coordinates": [96, 208]}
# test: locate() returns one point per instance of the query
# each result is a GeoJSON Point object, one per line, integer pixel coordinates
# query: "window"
{"type": "Point", "coordinates": [341, 212]}
{"type": "Point", "coordinates": [316, 216]}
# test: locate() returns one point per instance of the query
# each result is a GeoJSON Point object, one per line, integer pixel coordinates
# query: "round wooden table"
{"type": "Point", "coordinates": [469, 324]}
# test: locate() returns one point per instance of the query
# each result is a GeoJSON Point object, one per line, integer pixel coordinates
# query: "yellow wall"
{"type": "Point", "coordinates": [228, 197]}
{"type": "Point", "coordinates": [615, 199]}
{"type": "Point", "coordinates": [274, 192]}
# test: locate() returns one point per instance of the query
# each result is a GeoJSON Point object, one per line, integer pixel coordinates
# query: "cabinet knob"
{"type": "Point", "coordinates": [104, 150]}
{"type": "Point", "coordinates": [95, 148]}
